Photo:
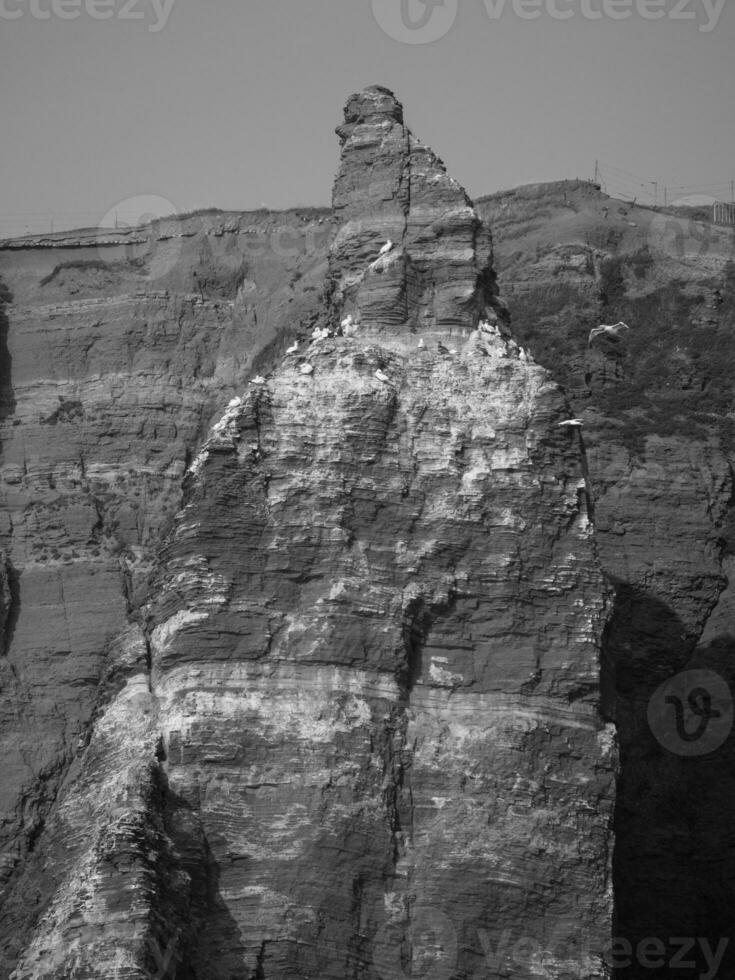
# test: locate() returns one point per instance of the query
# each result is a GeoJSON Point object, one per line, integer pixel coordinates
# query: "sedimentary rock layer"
{"type": "Point", "coordinates": [353, 727]}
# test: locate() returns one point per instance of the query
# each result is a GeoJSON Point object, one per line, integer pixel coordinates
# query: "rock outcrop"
{"type": "Point", "coordinates": [347, 722]}
{"type": "Point", "coordinates": [657, 407]}
{"type": "Point", "coordinates": [392, 189]}
{"type": "Point", "coordinates": [114, 356]}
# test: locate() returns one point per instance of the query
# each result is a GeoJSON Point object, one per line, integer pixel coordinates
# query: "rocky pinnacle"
{"type": "Point", "coordinates": [392, 188]}
{"type": "Point", "coordinates": [354, 730]}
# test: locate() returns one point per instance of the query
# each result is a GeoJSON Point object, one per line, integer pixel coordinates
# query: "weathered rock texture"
{"type": "Point", "coordinates": [391, 188]}
{"type": "Point", "coordinates": [352, 727]}
{"type": "Point", "coordinates": [113, 358]}
{"type": "Point", "coordinates": [657, 406]}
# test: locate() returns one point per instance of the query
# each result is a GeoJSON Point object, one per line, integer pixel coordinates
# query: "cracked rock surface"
{"type": "Point", "coordinates": [347, 723]}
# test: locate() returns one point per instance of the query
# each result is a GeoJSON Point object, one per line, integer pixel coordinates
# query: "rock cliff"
{"type": "Point", "coordinates": [302, 669]}
{"type": "Point", "coordinates": [657, 405]}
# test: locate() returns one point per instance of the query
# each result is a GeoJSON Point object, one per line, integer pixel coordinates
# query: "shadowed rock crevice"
{"type": "Point", "coordinates": [9, 576]}
{"type": "Point", "coordinates": [7, 395]}
{"type": "Point", "coordinates": [9, 602]}
{"type": "Point", "coordinates": [673, 860]}
{"type": "Point", "coordinates": [208, 946]}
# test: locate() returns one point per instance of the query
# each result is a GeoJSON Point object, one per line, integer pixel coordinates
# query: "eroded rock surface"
{"type": "Point", "coordinates": [657, 409]}
{"type": "Point", "coordinates": [113, 358]}
{"type": "Point", "coordinates": [354, 729]}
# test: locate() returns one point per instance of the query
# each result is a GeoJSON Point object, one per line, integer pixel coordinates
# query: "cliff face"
{"type": "Point", "coordinates": [339, 711]}
{"type": "Point", "coordinates": [115, 354]}
{"type": "Point", "coordinates": [657, 405]}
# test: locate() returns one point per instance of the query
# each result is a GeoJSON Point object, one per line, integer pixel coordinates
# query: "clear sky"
{"type": "Point", "coordinates": [233, 103]}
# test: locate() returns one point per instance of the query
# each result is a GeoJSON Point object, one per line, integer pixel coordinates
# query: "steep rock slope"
{"type": "Point", "coordinates": [355, 729]}
{"type": "Point", "coordinates": [657, 404]}
{"type": "Point", "coordinates": [115, 352]}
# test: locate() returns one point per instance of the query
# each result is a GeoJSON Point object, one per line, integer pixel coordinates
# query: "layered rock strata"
{"type": "Point", "coordinates": [354, 729]}
{"type": "Point", "coordinates": [115, 354]}
{"type": "Point", "coordinates": [656, 402]}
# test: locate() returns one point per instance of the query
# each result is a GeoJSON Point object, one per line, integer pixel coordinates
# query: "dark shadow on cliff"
{"type": "Point", "coordinates": [7, 395]}
{"type": "Point", "coordinates": [11, 613]}
{"type": "Point", "coordinates": [674, 857]}
{"type": "Point", "coordinates": [210, 946]}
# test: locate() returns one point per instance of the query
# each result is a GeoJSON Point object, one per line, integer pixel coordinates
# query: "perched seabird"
{"type": "Point", "coordinates": [572, 423]}
{"type": "Point", "coordinates": [382, 377]}
{"type": "Point", "coordinates": [386, 248]}
{"type": "Point", "coordinates": [320, 333]}
{"type": "Point", "coordinates": [349, 326]}
{"type": "Point", "coordinates": [306, 368]}
{"type": "Point", "coordinates": [257, 380]}
{"type": "Point", "coordinates": [522, 354]}
{"type": "Point", "coordinates": [421, 344]}
{"type": "Point", "coordinates": [293, 348]}
{"type": "Point", "coordinates": [485, 327]}
{"type": "Point", "coordinates": [234, 402]}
